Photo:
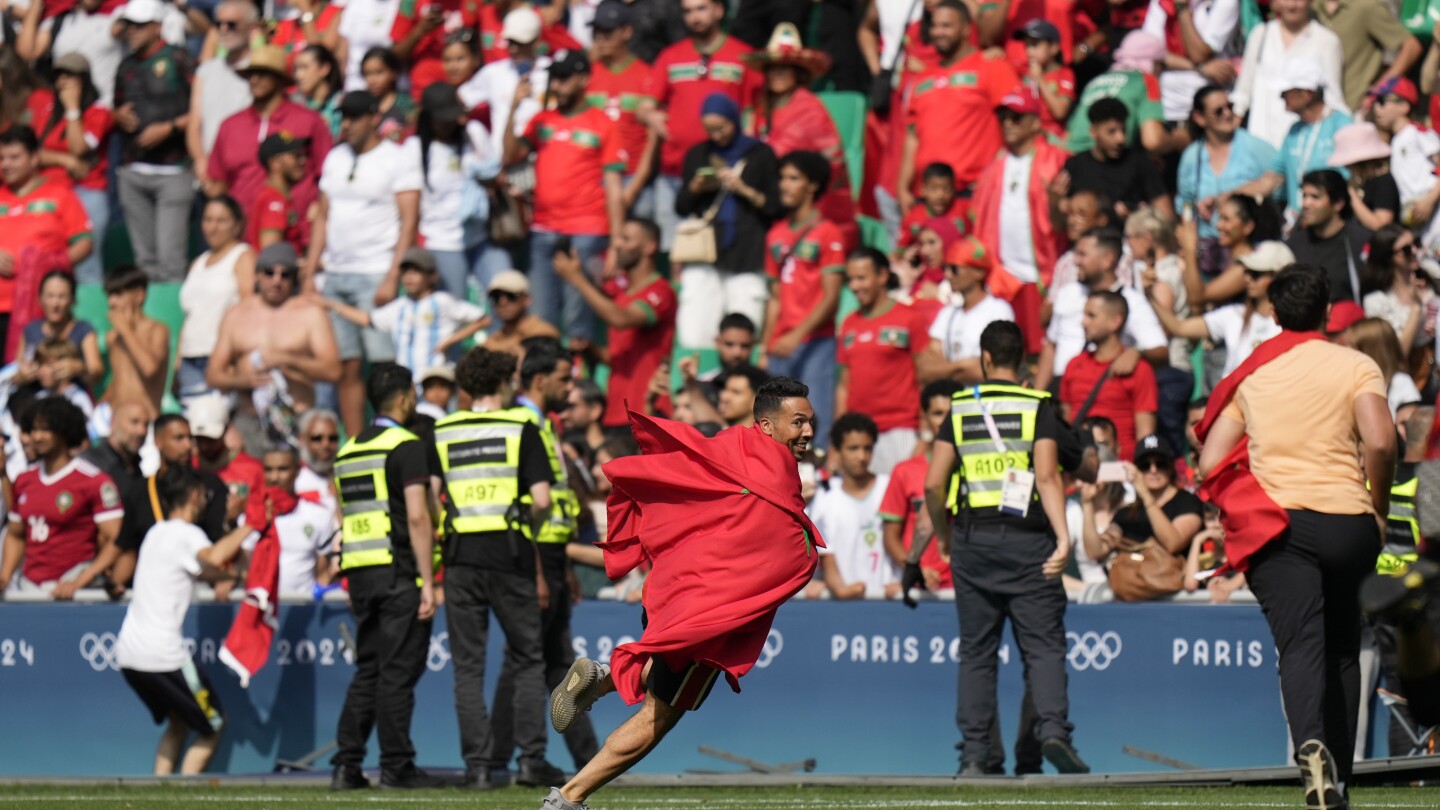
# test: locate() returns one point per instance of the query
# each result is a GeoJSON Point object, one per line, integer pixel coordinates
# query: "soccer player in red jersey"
{"type": "Point", "coordinates": [65, 509]}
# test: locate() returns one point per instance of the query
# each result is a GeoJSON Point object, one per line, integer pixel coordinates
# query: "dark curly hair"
{"type": "Point", "coordinates": [61, 417]}
{"type": "Point", "coordinates": [481, 372]}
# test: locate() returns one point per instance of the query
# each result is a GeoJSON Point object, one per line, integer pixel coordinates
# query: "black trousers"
{"type": "Point", "coordinates": [997, 577]}
{"type": "Point", "coordinates": [470, 595]}
{"type": "Point", "coordinates": [1308, 583]}
{"type": "Point", "coordinates": [391, 645]}
{"type": "Point", "coordinates": [559, 654]}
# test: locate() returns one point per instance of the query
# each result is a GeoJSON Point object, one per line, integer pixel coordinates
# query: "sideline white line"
{"type": "Point", "coordinates": [758, 803]}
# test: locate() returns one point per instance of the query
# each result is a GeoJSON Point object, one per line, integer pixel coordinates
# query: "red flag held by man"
{"type": "Point", "coordinates": [247, 646]}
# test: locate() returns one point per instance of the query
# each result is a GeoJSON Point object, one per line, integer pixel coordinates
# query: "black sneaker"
{"type": "Point", "coordinates": [975, 770]}
{"type": "Point", "coordinates": [1060, 753]}
{"type": "Point", "coordinates": [539, 774]}
{"type": "Point", "coordinates": [410, 779]}
{"type": "Point", "coordinates": [1317, 768]}
{"type": "Point", "coordinates": [348, 777]}
{"type": "Point", "coordinates": [477, 779]}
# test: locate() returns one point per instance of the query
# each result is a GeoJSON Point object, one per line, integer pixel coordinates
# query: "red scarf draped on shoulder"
{"type": "Point", "coordinates": [722, 522]}
{"type": "Point", "coordinates": [247, 646]}
{"type": "Point", "coordinates": [1251, 519]}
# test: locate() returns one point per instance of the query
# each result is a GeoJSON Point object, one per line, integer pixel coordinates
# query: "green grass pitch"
{"type": "Point", "coordinates": [33, 797]}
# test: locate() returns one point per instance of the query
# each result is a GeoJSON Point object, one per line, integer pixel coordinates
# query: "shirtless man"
{"type": "Point", "coordinates": [139, 346]}
{"type": "Point", "coordinates": [510, 304]}
{"type": "Point", "coordinates": [273, 330]}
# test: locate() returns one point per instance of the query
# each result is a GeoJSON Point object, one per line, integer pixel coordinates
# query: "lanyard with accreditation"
{"type": "Point", "coordinates": [1019, 486]}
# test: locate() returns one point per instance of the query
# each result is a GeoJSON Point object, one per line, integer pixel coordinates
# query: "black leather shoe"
{"type": "Point", "coordinates": [410, 779]}
{"type": "Point", "coordinates": [348, 777]}
{"type": "Point", "coordinates": [1060, 753]}
{"type": "Point", "coordinates": [539, 774]}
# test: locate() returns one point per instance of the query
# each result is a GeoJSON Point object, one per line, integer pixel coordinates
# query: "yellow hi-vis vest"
{"type": "Point", "coordinates": [365, 499]}
{"type": "Point", "coordinates": [1402, 529]}
{"type": "Point", "coordinates": [480, 456]}
{"type": "Point", "coordinates": [564, 505]}
{"type": "Point", "coordinates": [982, 464]}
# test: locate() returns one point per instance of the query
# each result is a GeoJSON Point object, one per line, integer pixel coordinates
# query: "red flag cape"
{"type": "Point", "coordinates": [723, 525]}
{"type": "Point", "coordinates": [1251, 519]}
{"type": "Point", "coordinates": [247, 646]}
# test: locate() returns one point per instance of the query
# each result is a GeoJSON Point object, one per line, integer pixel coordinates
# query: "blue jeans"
{"type": "Point", "coordinates": [483, 262]}
{"type": "Point", "coordinates": [552, 299]}
{"type": "Point", "coordinates": [190, 377]}
{"type": "Point", "coordinates": [1176, 387]}
{"type": "Point", "coordinates": [358, 290]}
{"type": "Point", "coordinates": [813, 364]}
{"type": "Point", "coordinates": [97, 207]}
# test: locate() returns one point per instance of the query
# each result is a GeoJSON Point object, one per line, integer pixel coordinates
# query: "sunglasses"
{"type": "Point", "coordinates": [1152, 465]}
{"type": "Point", "coordinates": [228, 25]}
{"type": "Point", "coordinates": [284, 272]}
{"type": "Point", "coordinates": [503, 295]}
{"type": "Point", "coordinates": [1222, 109]}
{"type": "Point", "coordinates": [1408, 250]}
{"type": "Point", "coordinates": [1009, 116]}
{"type": "Point", "coordinates": [1255, 275]}
{"type": "Point", "coordinates": [328, 438]}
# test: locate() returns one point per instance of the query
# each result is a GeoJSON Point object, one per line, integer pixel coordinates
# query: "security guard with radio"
{"type": "Point", "coordinates": [387, 538]}
{"type": "Point", "coordinates": [1010, 545]}
{"type": "Point", "coordinates": [545, 382]}
{"type": "Point", "coordinates": [497, 493]}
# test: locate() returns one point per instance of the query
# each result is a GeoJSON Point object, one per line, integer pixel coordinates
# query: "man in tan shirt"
{"type": "Point", "coordinates": [1319, 427]}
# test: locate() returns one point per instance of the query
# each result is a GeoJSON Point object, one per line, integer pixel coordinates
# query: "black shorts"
{"type": "Point", "coordinates": [686, 689]}
{"type": "Point", "coordinates": [184, 693]}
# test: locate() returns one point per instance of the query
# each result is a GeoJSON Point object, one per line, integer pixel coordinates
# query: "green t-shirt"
{"type": "Point", "coordinates": [1139, 92]}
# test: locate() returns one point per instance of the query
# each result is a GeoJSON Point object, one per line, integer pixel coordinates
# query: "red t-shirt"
{"type": "Point", "coordinates": [904, 503]}
{"type": "Point", "coordinates": [799, 266]}
{"type": "Point", "coordinates": [97, 123]}
{"type": "Point", "coordinates": [235, 158]}
{"type": "Point", "coordinates": [1062, 81]}
{"type": "Point", "coordinates": [618, 94]}
{"type": "Point", "coordinates": [425, 66]}
{"type": "Point", "coordinates": [59, 514]}
{"type": "Point", "coordinates": [953, 111]}
{"type": "Point", "coordinates": [1119, 400]}
{"type": "Point", "coordinates": [960, 213]}
{"type": "Point", "coordinates": [274, 211]}
{"type": "Point", "coordinates": [48, 219]}
{"type": "Point", "coordinates": [880, 353]}
{"type": "Point", "coordinates": [636, 353]}
{"type": "Point", "coordinates": [572, 154]}
{"type": "Point", "coordinates": [552, 37]}
{"type": "Point", "coordinates": [289, 35]}
{"type": "Point", "coordinates": [680, 82]}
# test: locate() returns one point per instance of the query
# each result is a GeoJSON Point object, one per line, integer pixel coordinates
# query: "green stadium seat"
{"type": "Point", "coordinates": [848, 109]}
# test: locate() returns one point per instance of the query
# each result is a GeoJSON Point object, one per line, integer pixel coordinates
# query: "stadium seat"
{"type": "Point", "coordinates": [847, 109]}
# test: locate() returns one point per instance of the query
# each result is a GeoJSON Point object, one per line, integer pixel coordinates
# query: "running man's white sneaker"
{"type": "Point", "coordinates": [1317, 768]}
{"type": "Point", "coordinates": [555, 801]}
{"type": "Point", "coordinates": [577, 693]}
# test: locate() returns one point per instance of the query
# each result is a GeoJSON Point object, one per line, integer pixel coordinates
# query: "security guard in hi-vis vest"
{"type": "Point", "coordinates": [1010, 545]}
{"type": "Point", "coordinates": [545, 382]}
{"type": "Point", "coordinates": [497, 482]}
{"type": "Point", "coordinates": [387, 537]}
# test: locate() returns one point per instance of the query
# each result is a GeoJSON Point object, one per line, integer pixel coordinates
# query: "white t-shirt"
{"type": "Point", "coordinates": [209, 291]}
{"type": "Point", "coordinates": [151, 637]}
{"type": "Point", "coordinates": [958, 329]}
{"type": "Point", "coordinates": [440, 198]}
{"type": "Point", "coordinates": [365, 24]}
{"type": "Point", "coordinates": [494, 85]}
{"type": "Point", "coordinates": [418, 325]}
{"type": "Point", "coordinates": [1227, 325]}
{"type": "Point", "coordinates": [1017, 251]}
{"type": "Point", "coordinates": [304, 534]}
{"type": "Point", "coordinates": [89, 35]}
{"type": "Point", "coordinates": [223, 94]}
{"type": "Point", "coordinates": [311, 483]}
{"type": "Point", "coordinates": [1411, 164]}
{"type": "Point", "coordinates": [1402, 392]}
{"type": "Point", "coordinates": [1142, 329]}
{"type": "Point", "coordinates": [1385, 305]}
{"type": "Point", "coordinates": [854, 534]}
{"type": "Point", "coordinates": [364, 220]}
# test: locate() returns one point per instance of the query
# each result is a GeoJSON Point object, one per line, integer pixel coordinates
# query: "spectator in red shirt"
{"type": "Point", "coordinates": [903, 507]}
{"type": "Point", "coordinates": [419, 33]}
{"type": "Point", "coordinates": [641, 318]}
{"type": "Point", "coordinates": [951, 114]}
{"type": "Point", "coordinates": [553, 37]}
{"type": "Point", "coordinates": [685, 74]}
{"type": "Point", "coordinates": [617, 86]}
{"type": "Point", "coordinates": [45, 229]}
{"type": "Point", "coordinates": [233, 167]}
{"type": "Point", "coordinates": [937, 199]}
{"type": "Point", "coordinates": [879, 345]}
{"type": "Point", "coordinates": [273, 216]}
{"type": "Point", "coordinates": [74, 150]}
{"type": "Point", "coordinates": [805, 259]}
{"type": "Point", "coordinates": [1046, 74]}
{"type": "Point", "coordinates": [579, 163]}
{"type": "Point", "coordinates": [316, 22]}
{"type": "Point", "coordinates": [1130, 402]}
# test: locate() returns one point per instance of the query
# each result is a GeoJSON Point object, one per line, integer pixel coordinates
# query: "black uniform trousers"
{"type": "Point", "coordinates": [1308, 583]}
{"type": "Point", "coordinates": [471, 593]}
{"type": "Point", "coordinates": [997, 573]}
{"type": "Point", "coordinates": [391, 644]}
{"type": "Point", "coordinates": [559, 654]}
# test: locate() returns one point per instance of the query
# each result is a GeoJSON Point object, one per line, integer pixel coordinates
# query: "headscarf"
{"type": "Point", "coordinates": [727, 217]}
{"type": "Point", "coordinates": [1139, 51]}
{"type": "Point", "coordinates": [949, 234]}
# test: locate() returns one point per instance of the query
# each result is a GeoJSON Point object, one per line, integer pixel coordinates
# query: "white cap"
{"type": "Point", "coordinates": [208, 415]}
{"type": "Point", "coordinates": [1302, 73]}
{"type": "Point", "coordinates": [143, 11]}
{"type": "Point", "coordinates": [521, 25]}
{"type": "Point", "coordinates": [1266, 257]}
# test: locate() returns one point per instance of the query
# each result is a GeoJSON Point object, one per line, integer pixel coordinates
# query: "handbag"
{"type": "Point", "coordinates": [695, 240]}
{"type": "Point", "coordinates": [507, 220]}
{"type": "Point", "coordinates": [882, 87]}
{"type": "Point", "coordinates": [1140, 572]}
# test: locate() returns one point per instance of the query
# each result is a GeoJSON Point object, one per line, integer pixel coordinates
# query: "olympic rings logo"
{"type": "Point", "coordinates": [99, 651]}
{"type": "Point", "coordinates": [439, 654]}
{"type": "Point", "coordinates": [1092, 650]}
{"type": "Point", "coordinates": [774, 643]}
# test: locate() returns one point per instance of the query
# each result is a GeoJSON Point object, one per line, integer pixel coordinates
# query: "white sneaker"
{"type": "Point", "coordinates": [576, 694]}
{"type": "Point", "coordinates": [555, 801]}
{"type": "Point", "coordinates": [1317, 768]}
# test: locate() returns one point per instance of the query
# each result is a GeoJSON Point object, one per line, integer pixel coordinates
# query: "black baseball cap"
{"type": "Point", "coordinates": [1038, 28]}
{"type": "Point", "coordinates": [279, 144]}
{"type": "Point", "coordinates": [569, 63]}
{"type": "Point", "coordinates": [1153, 446]}
{"type": "Point", "coordinates": [610, 15]}
{"type": "Point", "coordinates": [357, 103]}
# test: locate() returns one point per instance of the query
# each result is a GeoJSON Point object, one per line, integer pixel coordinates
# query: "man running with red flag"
{"type": "Point", "coordinates": [723, 525]}
{"type": "Point", "coordinates": [1290, 439]}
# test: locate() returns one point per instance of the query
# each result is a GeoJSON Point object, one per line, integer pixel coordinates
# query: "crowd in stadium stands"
{"type": "Point", "coordinates": [692, 195]}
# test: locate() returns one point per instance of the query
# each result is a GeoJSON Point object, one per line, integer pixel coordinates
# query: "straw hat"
{"type": "Point", "coordinates": [268, 58]}
{"type": "Point", "coordinates": [786, 48]}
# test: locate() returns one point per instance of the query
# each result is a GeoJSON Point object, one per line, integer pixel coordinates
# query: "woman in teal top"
{"type": "Point", "coordinates": [318, 84]}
